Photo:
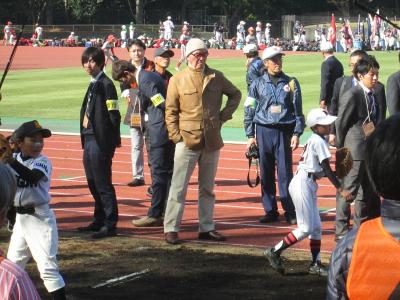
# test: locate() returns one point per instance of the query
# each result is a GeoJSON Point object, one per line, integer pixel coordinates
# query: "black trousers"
{"type": "Point", "coordinates": [98, 174]}
{"type": "Point", "coordinates": [162, 164]}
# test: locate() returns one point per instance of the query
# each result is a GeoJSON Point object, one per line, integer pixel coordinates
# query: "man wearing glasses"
{"type": "Point", "coordinates": [194, 119]}
{"type": "Point", "coordinates": [274, 121]}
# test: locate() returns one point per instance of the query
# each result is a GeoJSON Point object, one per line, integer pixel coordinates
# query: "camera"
{"type": "Point", "coordinates": [252, 153]}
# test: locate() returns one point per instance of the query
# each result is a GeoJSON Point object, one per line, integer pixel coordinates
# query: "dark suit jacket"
{"type": "Point", "coordinates": [150, 84]}
{"type": "Point", "coordinates": [393, 93]}
{"type": "Point", "coordinates": [352, 114]}
{"type": "Point", "coordinates": [331, 69]}
{"type": "Point", "coordinates": [104, 120]}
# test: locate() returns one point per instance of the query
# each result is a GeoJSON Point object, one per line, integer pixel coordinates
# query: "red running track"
{"type": "Point", "coordinates": [238, 207]}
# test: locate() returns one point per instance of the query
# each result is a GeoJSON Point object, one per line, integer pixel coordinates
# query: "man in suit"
{"type": "Point", "coordinates": [100, 135]}
{"type": "Point", "coordinates": [152, 92]}
{"type": "Point", "coordinates": [331, 69]}
{"type": "Point", "coordinates": [360, 110]}
{"type": "Point", "coordinates": [393, 92]}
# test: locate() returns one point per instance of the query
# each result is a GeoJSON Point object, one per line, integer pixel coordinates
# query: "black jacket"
{"type": "Point", "coordinates": [352, 114]}
{"type": "Point", "coordinates": [152, 93]}
{"type": "Point", "coordinates": [331, 69]}
{"type": "Point", "coordinates": [104, 115]}
{"type": "Point", "coordinates": [393, 93]}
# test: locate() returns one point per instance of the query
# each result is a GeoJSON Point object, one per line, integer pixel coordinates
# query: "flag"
{"type": "Point", "coordinates": [332, 38]}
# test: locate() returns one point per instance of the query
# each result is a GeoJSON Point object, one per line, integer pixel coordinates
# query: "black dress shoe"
{"type": "Point", "coordinates": [136, 182]}
{"type": "Point", "coordinates": [172, 238]}
{"type": "Point", "coordinates": [271, 216]}
{"type": "Point", "coordinates": [212, 235]}
{"type": "Point", "coordinates": [149, 192]}
{"type": "Point", "coordinates": [104, 232]}
{"type": "Point", "coordinates": [91, 227]}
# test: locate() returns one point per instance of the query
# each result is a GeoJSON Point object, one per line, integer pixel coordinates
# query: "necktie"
{"type": "Point", "coordinates": [373, 108]}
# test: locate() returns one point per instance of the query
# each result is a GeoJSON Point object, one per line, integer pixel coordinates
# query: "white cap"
{"type": "Point", "coordinates": [250, 48]}
{"type": "Point", "coordinates": [169, 17]}
{"type": "Point", "coordinates": [268, 25]}
{"type": "Point", "coordinates": [186, 23]}
{"type": "Point", "coordinates": [271, 52]}
{"type": "Point", "coordinates": [194, 44]}
{"type": "Point", "coordinates": [258, 23]}
{"type": "Point", "coordinates": [242, 22]}
{"type": "Point", "coordinates": [326, 47]}
{"type": "Point", "coordinates": [318, 116]}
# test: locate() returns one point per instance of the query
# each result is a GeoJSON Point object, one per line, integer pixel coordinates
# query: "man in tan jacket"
{"type": "Point", "coordinates": [194, 118]}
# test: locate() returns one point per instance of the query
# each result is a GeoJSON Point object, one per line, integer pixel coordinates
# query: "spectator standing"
{"type": "Point", "coordinates": [100, 135]}
{"type": "Point", "coordinates": [331, 69]}
{"type": "Point", "coordinates": [370, 253]}
{"type": "Point", "coordinates": [267, 33]}
{"type": "Point", "coordinates": [183, 40]}
{"type": "Point", "coordinates": [342, 85]}
{"type": "Point", "coordinates": [194, 118]}
{"type": "Point", "coordinates": [152, 90]}
{"type": "Point", "coordinates": [259, 33]}
{"type": "Point", "coordinates": [393, 92]}
{"type": "Point", "coordinates": [360, 111]}
{"type": "Point", "coordinates": [168, 30]}
{"type": "Point", "coordinates": [39, 33]}
{"type": "Point", "coordinates": [274, 121]}
{"type": "Point", "coordinates": [8, 34]}
{"type": "Point", "coordinates": [240, 32]}
{"type": "Point", "coordinates": [251, 37]}
{"type": "Point", "coordinates": [123, 35]}
{"type": "Point", "coordinates": [135, 116]}
{"type": "Point", "coordinates": [254, 64]}
{"type": "Point", "coordinates": [15, 283]}
{"type": "Point", "coordinates": [131, 31]}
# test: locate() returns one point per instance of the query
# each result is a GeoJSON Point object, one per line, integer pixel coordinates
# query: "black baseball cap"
{"type": "Point", "coordinates": [29, 129]}
{"type": "Point", "coordinates": [160, 51]}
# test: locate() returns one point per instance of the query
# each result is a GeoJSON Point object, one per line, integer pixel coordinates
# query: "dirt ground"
{"type": "Point", "coordinates": [186, 271]}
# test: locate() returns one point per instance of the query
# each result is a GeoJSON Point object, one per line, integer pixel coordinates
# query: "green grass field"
{"type": "Point", "coordinates": [57, 93]}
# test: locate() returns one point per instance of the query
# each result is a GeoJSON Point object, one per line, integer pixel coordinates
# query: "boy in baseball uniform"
{"type": "Point", "coordinates": [313, 165]}
{"type": "Point", "coordinates": [35, 230]}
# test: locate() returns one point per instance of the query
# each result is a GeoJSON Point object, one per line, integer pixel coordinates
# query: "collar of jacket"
{"type": "Point", "coordinates": [208, 73]}
{"type": "Point", "coordinates": [282, 77]}
{"type": "Point", "coordinates": [390, 209]}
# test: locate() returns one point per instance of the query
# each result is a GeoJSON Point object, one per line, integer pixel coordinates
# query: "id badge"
{"type": "Point", "coordinates": [368, 128]}
{"type": "Point", "coordinates": [276, 109]}
{"type": "Point", "coordinates": [85, 121]}
{"type": "Point", "coordinates": [136, 120]}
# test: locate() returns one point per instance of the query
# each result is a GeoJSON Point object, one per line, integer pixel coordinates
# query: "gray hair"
{"type": "Point", "coordinates": [8, 187]}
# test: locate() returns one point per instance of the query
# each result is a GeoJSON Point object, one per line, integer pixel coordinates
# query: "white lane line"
{"type": "Point", "coordinates": [122, 279]}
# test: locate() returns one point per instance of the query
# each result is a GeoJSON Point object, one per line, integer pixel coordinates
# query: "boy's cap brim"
{"type": "Point", "coordinates": [29, 129]}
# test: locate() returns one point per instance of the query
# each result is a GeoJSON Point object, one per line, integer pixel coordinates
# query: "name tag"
{"type": "Point", "coordinates": [276, 109]}
{"type": "Point", "coordinates": [157, 99]}
{"type": "Point", "coordinates": [136, 120]}
{"type": "Point", "coordinates": [112, 105]}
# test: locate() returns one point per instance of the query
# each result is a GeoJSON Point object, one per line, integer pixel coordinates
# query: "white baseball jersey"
{"type": "Point", "coordinates": [315, 151]}
{"type": "Point", "coordinates": [38, 194]}
{"type": "Point", "coordinates": [168, 26]}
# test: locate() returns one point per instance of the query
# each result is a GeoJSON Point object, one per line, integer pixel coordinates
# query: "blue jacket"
{"type": "Point", "coordinates": [270, 105]}
{"type": "Point", "coordinates": [255, 70]}
{"type": "Point", "coordinates": [152, 93]}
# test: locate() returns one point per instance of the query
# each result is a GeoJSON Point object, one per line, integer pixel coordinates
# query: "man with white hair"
{"type": "Point", "coordinates": [274, 121]}
{"type": "Point", "coordinates": [194, 119]}
{"type": "Point", "coordinates": [331, 69]}
{"type": "Point", "coordinates": [168, 28]}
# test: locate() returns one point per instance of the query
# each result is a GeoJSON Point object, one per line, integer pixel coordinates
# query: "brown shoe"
{"type": "Point", "coordinates": [172, 238]}
{"type": "Point", "coordinates": [148, 222]}
{"type": "Point", "coordinates": [212, 235]}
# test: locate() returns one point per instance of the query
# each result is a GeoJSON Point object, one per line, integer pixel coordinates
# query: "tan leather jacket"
{"type": "Point", "coordinates": [193, 107]}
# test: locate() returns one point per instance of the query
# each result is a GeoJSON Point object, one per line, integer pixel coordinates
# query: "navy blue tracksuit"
{"type": "Point", "coordinates": [273, 114]}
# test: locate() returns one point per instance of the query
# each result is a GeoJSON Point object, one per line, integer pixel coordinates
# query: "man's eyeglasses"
{"type": "Point", "coordinates": [199, 55]}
